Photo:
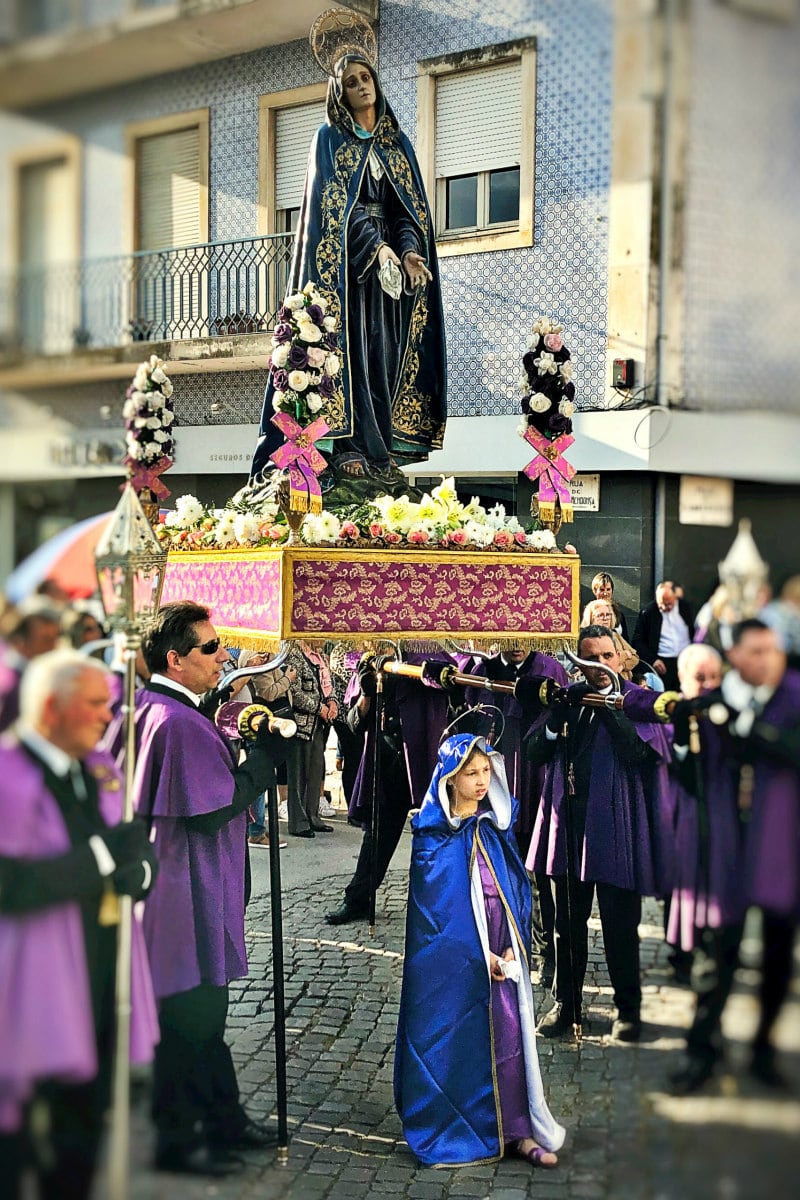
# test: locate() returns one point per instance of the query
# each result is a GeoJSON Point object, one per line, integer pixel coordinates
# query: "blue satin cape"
{"type": "Point", "coordinates": [444, 1076]}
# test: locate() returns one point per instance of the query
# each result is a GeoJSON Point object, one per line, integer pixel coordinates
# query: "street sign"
{"type": "Point", "coordinates": [705, 501]}
{"type": "Point", "coordinates": [585, 493]}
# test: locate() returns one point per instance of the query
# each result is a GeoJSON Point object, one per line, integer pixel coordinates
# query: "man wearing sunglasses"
{"type": "Point", "coordinates": [195, 795]}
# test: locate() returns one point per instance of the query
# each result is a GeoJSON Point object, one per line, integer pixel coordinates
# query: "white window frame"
{"type": "Point", "coordinates": [268, 106]}
{"type": "Point", "coordinates": [504, 236]}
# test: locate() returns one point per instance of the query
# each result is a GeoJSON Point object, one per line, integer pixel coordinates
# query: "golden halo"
{"type": "Point", "coordinates": [338, 32]}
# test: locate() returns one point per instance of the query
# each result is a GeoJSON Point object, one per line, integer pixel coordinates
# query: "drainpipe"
{"type": "Point", "coordinates": [664, 262]}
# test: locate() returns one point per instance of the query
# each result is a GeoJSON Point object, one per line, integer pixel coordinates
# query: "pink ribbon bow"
{"type": "Point", "coordinates": [146, 476]}
{"type": "Point", "coordinates": [552, 470]}
{"type": "Point", "coordinates": [299, 456]}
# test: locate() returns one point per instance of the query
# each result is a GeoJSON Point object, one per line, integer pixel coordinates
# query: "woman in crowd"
{"type": "Point", "coordinates": [603, 589]}
{"type": "Point", "coordinates": [601, 612]}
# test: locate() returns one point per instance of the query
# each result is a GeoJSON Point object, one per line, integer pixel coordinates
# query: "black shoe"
{"type": "Point", "coordinates": [764, 1068]}
{"type": "Point", "coordinates": [302, 833]}
{"type": "Point", "coordinates": [627, 1029]}
{"type": "Point", "coordinates": [691, 1077]}
{"type": "Point", "coordinates": [557, 1023]}
{"type": "Point", "coordinates": [199, 1160]}
{"type": "Point", "coordinates": [251, 1135]}
{"type": "Point", "coordinates": [322, 828]}
{"type": "Point", "coordinates": [346, 913]}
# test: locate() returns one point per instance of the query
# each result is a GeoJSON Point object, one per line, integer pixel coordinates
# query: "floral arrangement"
{"type": "Point", "coordinates": [439, 520]}
{"type": "Point", "coordinates": [305, 359]}
{"type": "Point", "coordinates": [149, 413]}
{"type": "Point", "coordinates": [548, 393]}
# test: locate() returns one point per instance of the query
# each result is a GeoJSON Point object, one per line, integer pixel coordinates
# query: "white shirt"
{"type": "Point", "coordinates": [674, 634]}
{"type": "Point", "coordinates": [164, 681]}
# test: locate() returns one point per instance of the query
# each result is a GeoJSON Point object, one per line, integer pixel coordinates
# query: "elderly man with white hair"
{"type": "Point", "coordinates": [63, 848]}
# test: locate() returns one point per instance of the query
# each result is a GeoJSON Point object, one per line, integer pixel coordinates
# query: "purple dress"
{"type": "Point", "coordinates": [506, 1029]}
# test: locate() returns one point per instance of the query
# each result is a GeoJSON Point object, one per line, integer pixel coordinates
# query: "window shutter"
{"type": "Point", "coordinates": [168, 190]}
{"type": "Point", "coordinates": [478, 120]}
{"type": "Point", "coordinates": [294, 129]}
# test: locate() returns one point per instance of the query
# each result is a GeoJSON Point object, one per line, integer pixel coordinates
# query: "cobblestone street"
{"type": "Point", "coordinates": [627, 1140]}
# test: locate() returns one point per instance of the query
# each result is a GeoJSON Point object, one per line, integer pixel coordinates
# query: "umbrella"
{"type": "Point", "coordinates": [67, 558]}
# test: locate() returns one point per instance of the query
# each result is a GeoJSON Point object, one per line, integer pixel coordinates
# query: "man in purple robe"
{"type": "Point", "coordinates": [595, 831]}
{"type": "Point", "coordinates": [63, 853]}
{"type": "Point", "coordinates": [194, 796]}
{"type": "Point", "coordinates": [763, 698]}
{"type": "Point", "coordinates": [30, 629]}
{"type": "Point", "coordinates": [519, 718]}
{"type": "Point", "coordinates": [414, 715]}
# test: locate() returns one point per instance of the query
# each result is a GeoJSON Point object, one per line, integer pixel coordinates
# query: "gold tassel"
{"type": "Point", "coordinates": [547, 510]}
{"type": "Point", "coordinates": [108, 913]}
{"type": "Point", "coordinates": [567, 513]}
{"type": "Point", "coordinates": [315, 505]}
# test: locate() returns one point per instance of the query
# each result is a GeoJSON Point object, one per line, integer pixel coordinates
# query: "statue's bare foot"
{"type": "Point", "coordinates": [354, 468]}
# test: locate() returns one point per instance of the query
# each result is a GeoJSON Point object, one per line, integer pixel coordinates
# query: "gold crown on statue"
{"type": "Point", "coordinates": [338, 32]}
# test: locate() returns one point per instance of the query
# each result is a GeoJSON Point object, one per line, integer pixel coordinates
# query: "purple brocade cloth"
{"type": "Point", "coordinates": [194, 916]}
{"type": "Point", "coordinates": [46, 1022]}
{"type": "Point", "coordinates": [507, 1032]}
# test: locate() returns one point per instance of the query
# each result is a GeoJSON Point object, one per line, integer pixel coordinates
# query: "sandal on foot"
{"type": "Point", "coordinates": [535, 1156]}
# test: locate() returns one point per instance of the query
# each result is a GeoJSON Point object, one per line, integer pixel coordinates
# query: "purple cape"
{"type": "Point", "coordinates": [707, 880]}
{"type": "Point", "coordinates": [619, 842]}
{"type": "Point", "coordinates": [524, 779]}
{"type": "Point", "coordinates": [46, 1023]}
{"type": "Point", "coordinates": [194, 916]}
{"type": "Point", "coordinates": [423, 711]}
{"type": "Point", "coordinates": [772, 839]}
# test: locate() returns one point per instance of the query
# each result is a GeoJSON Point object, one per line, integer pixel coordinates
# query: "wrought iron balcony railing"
{"type": "Point", "coordinates": [212, 290]}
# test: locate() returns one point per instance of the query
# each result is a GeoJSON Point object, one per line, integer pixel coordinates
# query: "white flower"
{"type": "Point", "coordinates": [225, 533]}
{"type": "Point", "coordinates": [153, 423]}
{"type": "Point", "coordinates": [309, 332]}
{"type": "Point", "coordinates": [188, 511]}
{"type": "Point", "coordinates": [245, 526]}
{"type": "Point", "coordinates": [513, 525]}
{"type": "Point", "coordinates": [541, 540]}
{"type": "Point", "coordinates": [323, 528]}
{"type": "Point", "coordinates": [478, 533]}
{"type": "Point", "coordinates": [474, 508]}
{"type": "Point", "coordinates": [141, 377]}
{"type": "Point", "coordinates": [140, 422]}
{"type": "Point", "coordinates": [329, 324]}
{"type": "Point", "coordinates": [167, 417]}
{"type": "Point", "coordinates": [332, 364]}
{"type": "Point", "coordinates": [167, 388]}
{"type": "Point", "coordinates": [546, 363]}
{"type": "Point", "coordinates": [522, 428]}
{"type": "Point", "coordinates": [154, 361]}
{"type": "Point", "coordinates": [314, 401]}
{"type": "Point", "coordinates": [523, 384]}
{"type": "Point", "coordinates": [544, 325]}
{"type": "Point", "coordinates": [566, 371]}
{"type": "Point", "coordinates": [539, 402]}
{"type": "Point", "coordinates": [129, 410]}
{"type": "Point", "coordinates": [566, 408]}
{"type": "Point", "coordinates": [161, 435]}
{"type": "Point", "coordinates": [316, 356]}
{"type": "Point", "coordinates": [159, 376]}
{"type": "Point", "coordinates": [295, 301]}
{"type": "Point", "coordinates": [155, 400]}
{"type": "Point", "coordinates": [445, 492]}
{"type": "Point", "coordinates": [320, 301]}
{"type": "Point", "coordinates": [298, 381]}
{"type": "Point", "coordinates": [331, 526]}
{"type": "Point", "coordinates": [280, 354]}
{"type": "Point", "coordinates": [496, 516]}
{"type": "Point", "coordinates": [277, 401]}
{"type": "Point", "coordinates": [152, 450]}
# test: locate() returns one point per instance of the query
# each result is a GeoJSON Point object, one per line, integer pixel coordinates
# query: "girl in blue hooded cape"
{"type": "Point", "coordinates": [467, 1082]}
{"type": "Point", "coordinates": [364, 201]}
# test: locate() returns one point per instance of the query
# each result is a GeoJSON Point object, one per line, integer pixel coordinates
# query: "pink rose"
{"type": "Point", "coordinates": [553, 341]}
{"type": "Point", "coordinates": [458, 537]}
{"type": "Point", "coordinates": [418, 536]}
{"type": "Point", "coordinates": [444, 539]}
{"type": "Point", "coordinates": [570, 549]}
{"type": "Point", "coordinates": [376, 529]}
{"type": "Point", "coordinates": [520, 538]}
{"type": "Point", "coordinates": [391, 538]}
{"type": "Point", "coordinates": [503, 538]}
{"type": "Point", "coordinates": [276, 531]}
{"type": "Point", "coordinates": [316, 356]}
{"type": "Point", "coordinates": [349, 530]}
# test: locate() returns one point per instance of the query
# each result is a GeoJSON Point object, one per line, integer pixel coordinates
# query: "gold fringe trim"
{"type": "Point", "coordinates": [316, 505]}
{"type": "Point", "coordinates": [237, 639]}
{"type": "Point", "coordinates": [253, 640]}
{"type": "Point", "coordinates": [566, 513]}
{"type": "Point", "coordinates": [547, 511]}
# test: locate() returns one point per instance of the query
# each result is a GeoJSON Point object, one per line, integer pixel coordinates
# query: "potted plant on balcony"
{"type": "Point", "coordinates": [141, 329]}
{"type": "Point", "coordinates": [237, 323]}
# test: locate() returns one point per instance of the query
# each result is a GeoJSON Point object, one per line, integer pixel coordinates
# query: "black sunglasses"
{"type": "Point", "coordinates": [208, 647]}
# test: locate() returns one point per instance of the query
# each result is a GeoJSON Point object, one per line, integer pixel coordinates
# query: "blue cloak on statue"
{"type": "Point", "coordinates": [363, 191]}
{"type": "Point", "coordinates": [445, 1078]}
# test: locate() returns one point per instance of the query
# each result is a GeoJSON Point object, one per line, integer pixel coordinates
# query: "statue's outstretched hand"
{"type": "Point", "coordinates": [416, 269]}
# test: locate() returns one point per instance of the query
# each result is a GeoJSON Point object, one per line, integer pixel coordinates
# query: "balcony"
{"type": "Point", "coordinates": [53, 49]}
{"type": "Point", "coordinates": [195, 304]}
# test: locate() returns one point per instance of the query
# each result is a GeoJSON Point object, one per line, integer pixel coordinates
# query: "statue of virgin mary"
{"type": "Point", "coordinates": [365, 240]}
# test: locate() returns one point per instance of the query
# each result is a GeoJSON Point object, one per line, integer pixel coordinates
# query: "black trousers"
{"type": "Point", "coordinates": [392, 822]}
{"type": "Point", "coordinates": [715, 961]}
{"type": "Point", "coordinates": [195, 1093]}
{"type": "Point", "coordinates": [543, 915]}
{"type": "Point", "coordinates": [620, 913]}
